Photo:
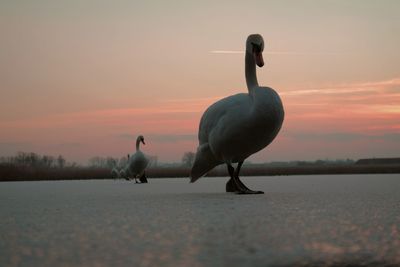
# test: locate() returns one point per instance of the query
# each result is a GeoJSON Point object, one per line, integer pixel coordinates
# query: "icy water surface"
{"type": "Point", "coordinates": [337, 220]}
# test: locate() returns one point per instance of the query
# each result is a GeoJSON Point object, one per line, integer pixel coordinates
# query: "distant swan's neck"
{"type": "Point", "coordinates": [137, 144]}
{"type": "Point", "coordinates": [250, 70]}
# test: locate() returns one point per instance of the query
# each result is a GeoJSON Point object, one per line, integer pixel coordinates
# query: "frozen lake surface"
{"type": "Point", "coordinates": [316, 220]}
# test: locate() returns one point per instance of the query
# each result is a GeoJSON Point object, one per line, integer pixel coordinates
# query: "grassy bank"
{"type": "Point", "coordinates": [27, 173]}
{"type": "Point", "coordinates": [14, 173]}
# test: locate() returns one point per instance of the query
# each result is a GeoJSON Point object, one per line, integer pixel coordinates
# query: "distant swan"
{"type": "Point", "coordinates": [238, 126]}
{"type": "Point", "coordinates": [137, 162]}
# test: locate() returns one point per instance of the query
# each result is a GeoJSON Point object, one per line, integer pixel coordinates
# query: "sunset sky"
{"type": "Point", "coordinates": [84, 78]}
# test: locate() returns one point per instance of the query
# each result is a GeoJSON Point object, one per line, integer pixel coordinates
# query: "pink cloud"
{"type": "Point", "coordinates": [359, 104]}
{"type": "Point", "coordinates": [329, 115]}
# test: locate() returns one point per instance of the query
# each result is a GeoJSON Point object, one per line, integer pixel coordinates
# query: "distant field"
{"type": "Point", "coordinates": [14, 173]}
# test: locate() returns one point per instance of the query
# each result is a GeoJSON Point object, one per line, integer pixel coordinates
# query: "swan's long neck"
{"type": "Point", "coordinates": [137, 144]}
{"type": "Point", "coordinates": [250, 70]}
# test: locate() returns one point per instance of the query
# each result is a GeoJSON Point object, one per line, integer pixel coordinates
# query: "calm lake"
{"type": "Point", "coordinates": [321, 220]}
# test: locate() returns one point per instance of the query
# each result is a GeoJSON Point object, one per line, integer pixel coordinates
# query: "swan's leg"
{"type": "Point", "coordinates": [231, 185]}
{"type": "Point", "coordinates": [240, 184]}
{"type": "Point", "coordinates": [234, 184]}
{"type": "Point", "coordinates": [143, 178]}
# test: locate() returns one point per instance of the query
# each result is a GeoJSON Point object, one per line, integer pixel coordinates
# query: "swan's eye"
{"type": "Point", "coordinates": [256, 48]}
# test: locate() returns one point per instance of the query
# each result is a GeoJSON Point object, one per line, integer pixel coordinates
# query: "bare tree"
{"type": "Point", "coordinates": [47, 161]}
{"type": "Point", "coordinates": [61, 161]}
{"type": "Point", "coordinates": [111, 162]}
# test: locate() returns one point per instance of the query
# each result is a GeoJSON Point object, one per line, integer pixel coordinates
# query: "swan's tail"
{"type": "Point", "coordinates": [203, 163]}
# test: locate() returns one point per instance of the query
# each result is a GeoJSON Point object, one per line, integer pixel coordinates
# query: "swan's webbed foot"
{"type": "Point", "coordinates": [249, 192]}
{"type": "Point", "coordinates": [143, 178]}
{"type": "Point", "coordinates": [236, 185]}
{"type": "Point", "coordinates": [231, 186]}
{"type": "Point", "coordinates": [244, 190]}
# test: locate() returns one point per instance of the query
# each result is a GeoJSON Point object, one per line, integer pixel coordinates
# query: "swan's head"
{"type": "Point", "coordinates": [141, 139]}
{"type": "Point", "coordinates": [255, 46]}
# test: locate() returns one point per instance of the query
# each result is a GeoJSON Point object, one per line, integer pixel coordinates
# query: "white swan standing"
{"type": "Point", "coordinates": [137, 162]}
{"type": "Point", "coordinates": [238, 126]}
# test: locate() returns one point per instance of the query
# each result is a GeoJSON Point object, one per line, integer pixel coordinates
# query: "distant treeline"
{"type": "Point", "coordinates": [28, 173]}
{"type": "Point", "coordinates": [31, 159]}
{"type": "Point", "coordinates": [32, 167]}
{"type": "Point", "coordinates": [35, 160]}
{"type": "Point", "coordinates": [379, 161]}
{"type": "Point", "coordinates": [14, 173]}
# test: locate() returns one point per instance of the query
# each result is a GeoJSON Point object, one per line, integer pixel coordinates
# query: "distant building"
{"type": "Point", "coordinates": [379, 161]}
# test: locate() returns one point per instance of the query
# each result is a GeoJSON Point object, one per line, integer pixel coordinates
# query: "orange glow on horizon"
{"type": "Point", "coordinates": [308, 112]}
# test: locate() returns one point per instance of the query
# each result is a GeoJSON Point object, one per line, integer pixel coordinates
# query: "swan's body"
{"type": "Point", "coordinates": [238, 126]}
{"type": "Point", "coordinates": [137, 162]}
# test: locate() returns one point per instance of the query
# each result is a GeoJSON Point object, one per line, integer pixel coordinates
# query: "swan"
{"type": "Point", "coordinates": [240, 125]}
{"type": "Point", "coordinates": [137, 162]}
